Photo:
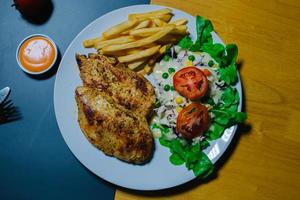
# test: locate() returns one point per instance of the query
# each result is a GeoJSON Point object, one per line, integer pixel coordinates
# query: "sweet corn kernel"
{"type": "Point", "coordinates": [188, 63]}
{"type": "Point", "coordinates": [179, 100]}
{"type": "Point", "coordinates": [178, 109]}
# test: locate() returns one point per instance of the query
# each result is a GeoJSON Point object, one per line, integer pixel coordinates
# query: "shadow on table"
{"type": "Point", "coordinates": [9, 112]}
{"type": "Point", "coordinates": [49, 73]}
{"type": "Point", "coordinates": [241, 130]}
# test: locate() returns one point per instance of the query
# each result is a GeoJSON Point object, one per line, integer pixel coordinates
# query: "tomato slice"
{"type": "Point", "coordinates": [192, 121]}
{"type": "Point", "coordinates": [206, 72]}
{"type": "Point", "coordinates": [190, 82]}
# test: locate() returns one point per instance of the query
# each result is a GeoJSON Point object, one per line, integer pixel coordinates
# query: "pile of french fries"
{"type": "Point", "coordinates": [141, 40]}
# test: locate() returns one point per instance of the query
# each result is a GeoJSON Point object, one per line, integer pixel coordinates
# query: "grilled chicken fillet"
{"type": "Point", "coordinates": [112, 128]}
{"type": "Point", "coordinates": [126, 87]}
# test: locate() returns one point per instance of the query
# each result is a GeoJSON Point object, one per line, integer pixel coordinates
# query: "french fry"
{"type": "Point", "coordinates": [90, 43]}
{"type": "Point", "coordinates": [138, 49]}
{"type": "Point", "coordinates": [159, 22]}
{"type": "Point", "coordinates": [115, 30]}
{"type": "Point", "coordinates": [141, 72]}
{"type": "Point", "coordinates": [164, 48]}
{"type": "Point", "coordinates": [149, 14]}
{"type": "Point", "coordinates": [135, 64]}
{"type": "Point", "coordinates": [144, 32]}
{"type": "Point", "coordinates": [179, 22]}
{"type": "Point", "coordinates": [119, 40]}
{"type": "Point", "coordinates": [169, 39]}
{"type": "Point", "coordinates": [140, 41]}
{"type": "Point", "coordinates": [180, 30]}
{"type": "Point", "coordinates": [161, 51]}
{"type": "Point", "coordinates": [145, 41]}
{"type": "Point", "coordinates": [114, 53]}
{"type": "Point", "coordinates": [146, 70]}
{"type": "Point", "coordinates": [133, 51]}
{"type": "Point", "coordinates": [153, 59]}
{"type": "Point", "coordinates": [139, 55]}
{"type": "Point", "coordinates": [165, 18]}
{"type": "Point", "coordinates": [127, 51]}
{"type": "Point", "coordinates": [150, 64]}
{"type": "Point", "coordinates": [143, 24]}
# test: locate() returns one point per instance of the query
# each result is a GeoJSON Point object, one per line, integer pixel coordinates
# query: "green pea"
{"type": "Point", "coordinates": [165, 75]}
{"type": "Point", "coordinates": [191, 57]}
{"type": "Point", "coordinates": [172, 88]}
{"type": "Point", "coordinates": [211, 63]}
{"type": "Point", "coordinates": [166, 58]}
{"type": "Point", "coordinates": [166, 87]}
{"type": "Point", "coordinates": [171, 70]}
{"type": "Point", "coordinates": [157, 103]}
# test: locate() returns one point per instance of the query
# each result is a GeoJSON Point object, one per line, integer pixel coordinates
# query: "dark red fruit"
{"type": "Point", "coordinates": [31, 8]}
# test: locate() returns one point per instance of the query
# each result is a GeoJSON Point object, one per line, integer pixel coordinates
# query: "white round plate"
{"type": "Point", "coordinates": [159, 173]}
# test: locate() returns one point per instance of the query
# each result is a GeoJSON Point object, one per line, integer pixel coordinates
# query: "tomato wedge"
{"type": "Point", "coordinates": [190, 82]}
{"type": "Point", "coordinates": [192, 121]}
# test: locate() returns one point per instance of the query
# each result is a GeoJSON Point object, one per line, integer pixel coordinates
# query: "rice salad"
{"type": "Point", "coordinates": [221, 99]}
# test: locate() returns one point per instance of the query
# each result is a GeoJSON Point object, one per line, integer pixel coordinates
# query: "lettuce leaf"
{"type": "Point", "coordinates": [223, 119]}
{"type": "Point", "coordinates": [216, 51]}
{"type": "Point", "coordinates": [232, 52]}
{"type": "Point", "coordinates": [186, 42]}
{"type": "Point", "coordinates": [204, 144]}
{"type": "Point", "coordinates": [163, 142]}
{"type": "Point", "coordinates": [204, 28]}
{"type": "Point", "coordinates": [229, 74]}
{"type": "Point", "coordinates": [190, 155]}
{"type": "Point", "coordinates": [225, 114]}
{"type": "Point", "coordinates": [214, 132]}
{"type": "Point", "coordinates": [230, 96]}
{"type": "Point", "coordinates": [203, 167]}
{"type": "Point", "coordinates": [175, 159]}
{"type": "Point", "coordinates": [239, 117]}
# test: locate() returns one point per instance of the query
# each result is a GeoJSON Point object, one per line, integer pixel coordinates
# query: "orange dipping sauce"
{"type": "Point", "coordinates": [37, 54]}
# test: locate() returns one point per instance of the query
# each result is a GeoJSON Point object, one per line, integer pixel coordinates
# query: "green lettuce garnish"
{"type": "Point", "coordinates": [216, 51]}
{"type": "Point", "coordinates": [232, 52]}
{"type": "Point", "coordinates": [225, 112]}
{"type": "Point", "coordinates": [228, 74]}
{"type": "Point", "coordinates": [186, 42]}
{"type": "Point", "coordinates": [190, 155]}
{"type": "Point", "coordinates": [225, 56]}
{"type": "Point", "coordinates": [228, 71]}
{"type": "Point", "coordinates": [204, 28]}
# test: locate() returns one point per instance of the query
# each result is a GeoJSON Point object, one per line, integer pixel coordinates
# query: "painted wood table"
{"type": "Point", "coordinates": [263, 161]}
{"type": "Point", "coordinates": [35, 162]}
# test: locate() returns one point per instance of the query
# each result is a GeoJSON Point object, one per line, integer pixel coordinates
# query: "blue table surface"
{"type": "Point", "coordinates": [35, 161]}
